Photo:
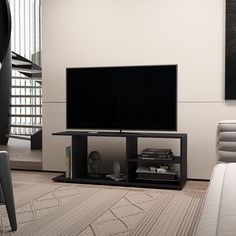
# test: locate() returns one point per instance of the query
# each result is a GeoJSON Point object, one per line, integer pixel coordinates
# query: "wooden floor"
{"type": "Point", "coordinates": [33, 176]}
{"type": "Point", "coordinates": [196, 185]}
{"type": "Point", "coordinates": [21, 156]}
{"type": "Point", "coordinates": [46, 177]}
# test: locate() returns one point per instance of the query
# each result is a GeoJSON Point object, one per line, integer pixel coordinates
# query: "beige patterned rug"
{"type": "Point", "coordinates": [71, 209]}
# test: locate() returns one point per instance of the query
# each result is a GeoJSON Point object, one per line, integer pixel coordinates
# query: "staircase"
{"type": "Point", "coordinates": [26, 101]}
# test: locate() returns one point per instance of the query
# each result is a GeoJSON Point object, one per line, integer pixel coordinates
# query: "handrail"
{"type": "Point", "coordinates": [5, 19]}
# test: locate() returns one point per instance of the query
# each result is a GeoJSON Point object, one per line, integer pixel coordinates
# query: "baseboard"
{"type": "Point", "coordinates": [204, 180]}
{"type": "Point", "coordinates": [37, 170]}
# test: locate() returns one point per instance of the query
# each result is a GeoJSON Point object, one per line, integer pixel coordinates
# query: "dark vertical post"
{"type": "Point", "coordinates": [183, 158]}
{"type": "Point", "coordinates": [5, 98]}
{"type": "Point", "coordinates": [5, 70]}
{"type": "Point", "coordinates": [79, 156]}
{"type": "Point", "coordinates": [230, 50]}
{"type": "Point", "coordinates": [131, 153]}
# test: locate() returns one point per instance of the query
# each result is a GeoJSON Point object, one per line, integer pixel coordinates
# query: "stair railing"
{"type": "Point", "coordinates": [26, 108]}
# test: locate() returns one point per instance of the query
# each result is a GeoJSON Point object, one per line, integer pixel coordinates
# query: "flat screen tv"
{"type": "Point", "coordinates": [122, 98]}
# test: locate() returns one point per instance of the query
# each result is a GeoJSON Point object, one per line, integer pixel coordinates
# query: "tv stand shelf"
{"type": "Point", "coordinates": [80, 154]}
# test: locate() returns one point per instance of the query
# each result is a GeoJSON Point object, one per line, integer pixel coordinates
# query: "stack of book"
{"type": "Point", "coordinates": [156, 154]}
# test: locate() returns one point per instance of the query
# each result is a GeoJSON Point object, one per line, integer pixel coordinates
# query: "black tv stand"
{"type": "Point", "coordinates": [80, 153]}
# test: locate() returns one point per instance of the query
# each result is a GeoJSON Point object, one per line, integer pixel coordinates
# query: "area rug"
{"type": "Point", "coordinates": [71, 209]}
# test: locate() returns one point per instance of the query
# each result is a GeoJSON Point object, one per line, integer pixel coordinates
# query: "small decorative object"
{"type": "Point", "coordinates": [116, 167]}
{"type": "Point", "coordinates": [68, 162]}
{"type": "Point", "coordinates": [117, 176]}
{"type": "Point", "coordinates": [94, 162]}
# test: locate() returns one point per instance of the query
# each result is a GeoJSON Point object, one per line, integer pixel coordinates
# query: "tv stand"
{"type": "Point", "coordinates": [80, 155]}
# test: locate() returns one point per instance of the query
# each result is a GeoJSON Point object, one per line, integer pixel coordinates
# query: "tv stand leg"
{"type": "Point", "coordinates": [79, 156]}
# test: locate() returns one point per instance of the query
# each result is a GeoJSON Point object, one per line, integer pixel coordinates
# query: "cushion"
{"type": "Point", "coordinates": [226, 141]}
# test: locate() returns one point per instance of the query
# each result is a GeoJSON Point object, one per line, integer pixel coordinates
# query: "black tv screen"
{"type": "Point", "coordinates": [122, 98]}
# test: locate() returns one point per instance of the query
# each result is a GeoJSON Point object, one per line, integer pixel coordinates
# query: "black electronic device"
{"type": "Point", "coordinates": [122, 98]}
{"type": "Point", "coordinates": [152, 173]}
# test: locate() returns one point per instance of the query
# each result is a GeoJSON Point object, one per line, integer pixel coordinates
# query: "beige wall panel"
{"type": "Point", "coordinates": [189, 33]}
{"type": "Point", "coordinates": [199, 121]}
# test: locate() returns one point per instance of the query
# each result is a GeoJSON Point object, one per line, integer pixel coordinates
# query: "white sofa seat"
{"type": "Point", "coordinates": [218, 215]}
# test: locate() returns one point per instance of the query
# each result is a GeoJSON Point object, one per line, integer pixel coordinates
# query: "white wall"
{"type": "Point", "coordinates": [189, 33]}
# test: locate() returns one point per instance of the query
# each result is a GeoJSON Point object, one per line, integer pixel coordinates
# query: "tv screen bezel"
{"type": "Point", "coordinates": [124, 129]}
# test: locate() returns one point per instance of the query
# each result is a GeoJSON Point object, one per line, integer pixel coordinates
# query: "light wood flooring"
{"type": "Point", "coordinates": [46, 177]}
{"type": "Point", "coordinates": [21, 156]}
